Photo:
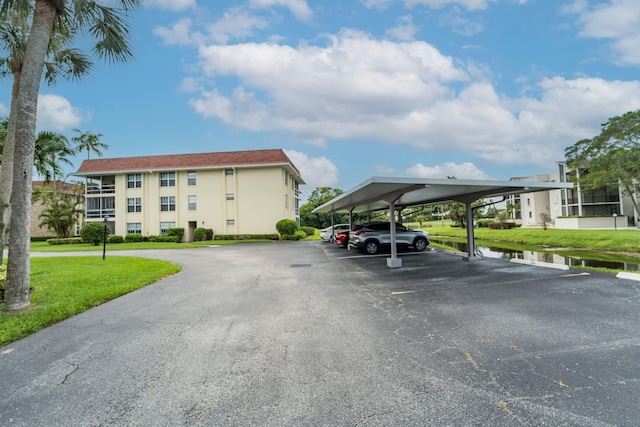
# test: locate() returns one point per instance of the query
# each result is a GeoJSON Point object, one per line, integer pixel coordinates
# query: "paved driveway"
{"type": "Point", "coordinates": [304, 334]}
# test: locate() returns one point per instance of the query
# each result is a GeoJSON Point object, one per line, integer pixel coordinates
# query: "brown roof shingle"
{"type": "Point", "coordinates": [185, 161]}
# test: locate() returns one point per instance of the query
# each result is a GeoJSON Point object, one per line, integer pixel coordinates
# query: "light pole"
{"type": "Point", "coordinates": [615, 221]}
{"type": "Point", "coordinates": [104, 246]}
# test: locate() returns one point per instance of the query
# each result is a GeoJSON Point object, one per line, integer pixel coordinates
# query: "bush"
{"type": "Point", "coordinates": [286, 227]}
{"type": "Point", "coordinates": [3, 281]}
{"type": "Point", "coordinates": [93, 232]}
{"type": "Point", "coordinates": [177, 232]}
{"type": "Point", "coordinates": [291, 237]}
{"type": "Point", "coordinates": [308, 231]}
{"type": "Point", "coordinates": [65, 241]}
{"type": "Point", "coordinates": [130, 238]}
{"type": "Point", "coordinates": [246, 237]}
{"type": "Point", "coordinates": [209, 234]}
{"type": "Point", "coordinates": [115, 239]}
{"type": "Point", "coordinates": [495, 225]}
{"type": "Point", "coordinates": [301, 233]}
{"type": "Point", "coordinates": [200, 234]}
{"type": "Point", "coordinates": [484, 222]}
{"type": "Point", "coordinates": [163, 238]}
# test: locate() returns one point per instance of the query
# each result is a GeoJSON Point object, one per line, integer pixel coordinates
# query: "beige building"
{"type": "Point", "coordinates": [241, 192]}
{"type": "Point", "coordinates": [38, 207]}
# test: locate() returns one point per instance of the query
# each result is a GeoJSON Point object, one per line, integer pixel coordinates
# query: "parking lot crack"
{"type": "Point", "coordinates": [74, 369]}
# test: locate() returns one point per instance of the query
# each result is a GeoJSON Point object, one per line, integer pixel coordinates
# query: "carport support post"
{"type": "Point", "coordinates": [394, 261]}
{"type": "Point", "coordinates": [471, 249]}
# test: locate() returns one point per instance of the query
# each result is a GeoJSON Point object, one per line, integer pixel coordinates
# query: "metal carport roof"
{"type": "Point", "coordinates": [376, 194]}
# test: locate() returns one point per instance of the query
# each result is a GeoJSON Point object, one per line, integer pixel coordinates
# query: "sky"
{"type": "Point", "coordinates": [352, 89]}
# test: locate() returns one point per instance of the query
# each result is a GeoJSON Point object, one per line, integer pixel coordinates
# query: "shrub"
{"type": "Point", "coordinates": [484, 222]}
{"type": "Point", "coordinates": [209, 234]}
{"type": "Point", "coordinates": [130, 238]}
{"type": "Point", "coordinates": [291, 237]}
{"type": "Point", "coordinates": [286, 227]}
{"type": "Point", "coordinates": [115, 239]}
{"type": "Point", "coordinates": [495, 225]}
{"type": "Point", "coordinates": [246, 237]}
{"type": "Point", "coordinates": [65, 241]}
{"type": "Point", "coordinates": [93, 232]}
{"type": "Point", "coordinates": [301, 234]}
{"type": "Point", "coordinates": [3, 281]}
{"type": "Point", "coordinates": [177, 232]}
{"type": "Point", "coordinates": [163, 238]}
{"type": "Point", "coordinates": [200, 234]}
{"type": "Point", "coordinates": [308, 231]}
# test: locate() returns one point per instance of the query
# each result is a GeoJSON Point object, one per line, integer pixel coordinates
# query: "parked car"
{"type": "Point", "coordinates": [330, 232]}
{"type": "Point", "coordinates": [372, 236]}
{"type": "Point", "coordinates": [342, 238]}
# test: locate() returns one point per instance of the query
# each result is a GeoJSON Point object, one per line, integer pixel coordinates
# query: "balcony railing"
{"type": "Point", "coordinates": [101, 189]}
{"type": "Point", "coordinates": [100, 213]}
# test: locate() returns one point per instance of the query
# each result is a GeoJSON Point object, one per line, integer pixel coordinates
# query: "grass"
{"type": "Point", "coordinates": [65, 286]}
{"type": "Point", "coordinates": [45, 247]}
{"type": "Point", "coordinates": [593, 240]}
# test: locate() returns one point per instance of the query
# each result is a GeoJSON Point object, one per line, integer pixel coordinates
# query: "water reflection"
{"type": "Point", "coordinates": [507, 254]}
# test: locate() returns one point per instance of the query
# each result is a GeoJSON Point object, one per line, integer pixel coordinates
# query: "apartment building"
{"type": "Point", "coordinates": [574, 208]}
{"type": "Point", "coordinates": [240, 192]}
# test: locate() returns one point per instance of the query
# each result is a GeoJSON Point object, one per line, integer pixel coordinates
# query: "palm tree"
{"type": "Point", "coordinates": [61, 60]}
{"type": "Point", "coordinates": [90, 142]}
{"type": "Point", "coordinates": [50, 151]}
{"type": "Point", "coordinates": [109, 27]}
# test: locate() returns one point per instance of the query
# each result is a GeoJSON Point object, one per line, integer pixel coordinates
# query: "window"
{"type": "Point", "coordinates": [134, 204]}
{"type": "Point", "coordinates": [230, 196]}
{"type": "Point", "coordinates": [168, 179]}
{"type": "Point", "coordinates": [192, 203]}
{"type": "Point", "coordinates": [164, 226]}
{"type": "Point", "coordinates": [231, 223]}
{"type": "Point", "coordinates": [228, 171]}
{"type": "Point", "coordinates": [134, 228]}
{"type": "Point", "coordinates": [134, 180]}
{"type": "Point", "coordinates": [191, 178]}
{"type": "Point", "coordinates": [168, 204]}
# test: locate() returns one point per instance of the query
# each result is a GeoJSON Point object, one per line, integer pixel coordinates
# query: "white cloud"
{"type": "Point", "coordinates": [4, 110]}
{"type": "Point", "coordinates": [617, 21]}
{"type": "Point", "coordinates": [179, 34]}
{"type": "Point", "coordinates": [316, 171]}
{"type": "Point", "coordinates": [57, 114]}
{"type": "Point", "coordinates": [405, 30]}
{"type": "Point", "coordinates": [299, 8]}
{"type": "Point", "coordinates": [359, 88]}
{"type": "Point", "coordinates": [464, 170]}
{"type": "Point", "coordinates": [173, 5]}
{"type": "Point", "coordinates": [235, 24]}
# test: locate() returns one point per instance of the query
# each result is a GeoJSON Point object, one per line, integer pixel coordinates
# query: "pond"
{"type": "Point", "coordinates": [583, 260]}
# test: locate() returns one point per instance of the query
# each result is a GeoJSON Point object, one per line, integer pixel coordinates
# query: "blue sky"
{"type": "Point", "coordinates": [477, 89]}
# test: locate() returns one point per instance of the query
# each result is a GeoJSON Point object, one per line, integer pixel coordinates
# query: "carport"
{"type": "Point", "coordinates": [380, 194]}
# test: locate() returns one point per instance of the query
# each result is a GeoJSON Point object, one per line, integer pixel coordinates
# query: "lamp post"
{"type": "Point", "coordinates": [104, 246]}
{"type": "Point", "coordinates": [615, 221]}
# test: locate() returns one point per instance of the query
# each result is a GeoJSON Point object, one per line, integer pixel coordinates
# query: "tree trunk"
{"type": "Point", "coordinates": [6, 171]}
{"type": "Point", "coordinates": [19, 265]}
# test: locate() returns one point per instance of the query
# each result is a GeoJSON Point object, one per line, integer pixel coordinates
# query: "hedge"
{"type": "Point", "coordinates": [65, 241]}
{"type": "Point", "coordinates": [246, 237]}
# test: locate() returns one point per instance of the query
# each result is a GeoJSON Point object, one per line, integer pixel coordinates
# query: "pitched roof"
{"type": "Point", "coordinates": [186, 161]}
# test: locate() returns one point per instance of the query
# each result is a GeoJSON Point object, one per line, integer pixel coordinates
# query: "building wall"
{"type": "Point", "coordinates": [247, 200]}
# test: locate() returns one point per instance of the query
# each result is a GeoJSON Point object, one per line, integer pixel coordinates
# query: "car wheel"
{"type": "Point", "coordinates": [370, 247]}
{"type": "Point", "coordinates": [332, 239]}
{"type": "Point", "coordinates": [420, 244]}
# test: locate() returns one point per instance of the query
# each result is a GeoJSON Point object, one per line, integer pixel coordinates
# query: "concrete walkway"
{"type": "Point", "coordinates": [307, 334]}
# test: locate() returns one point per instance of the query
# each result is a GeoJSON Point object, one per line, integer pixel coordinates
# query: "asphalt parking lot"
{"type": "Point", "coordinates": [309, 334]}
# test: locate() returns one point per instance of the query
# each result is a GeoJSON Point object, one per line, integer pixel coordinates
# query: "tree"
{"type": "Point", "coordinates": [61, 207]}
{"type": "Point", "coordinates": [87, 141]}
{"type": "Point", "coordinates": [109, 27]}
{"type": "Point", "coordinates": [51, 149]}
{"type": "Point", "coordinates": [610, 159]}
{"type": "Point", "coordinates": [61, 60]}
{"type": "Point", "coordinates": [318, 197]}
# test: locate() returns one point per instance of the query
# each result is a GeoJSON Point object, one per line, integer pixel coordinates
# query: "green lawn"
{"type": "Point", "coordinates": [596, 240]}
{"type": "Point", "coordinates": [65, 286]}
{"type": "Point", "coordinates": [45, 247]}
